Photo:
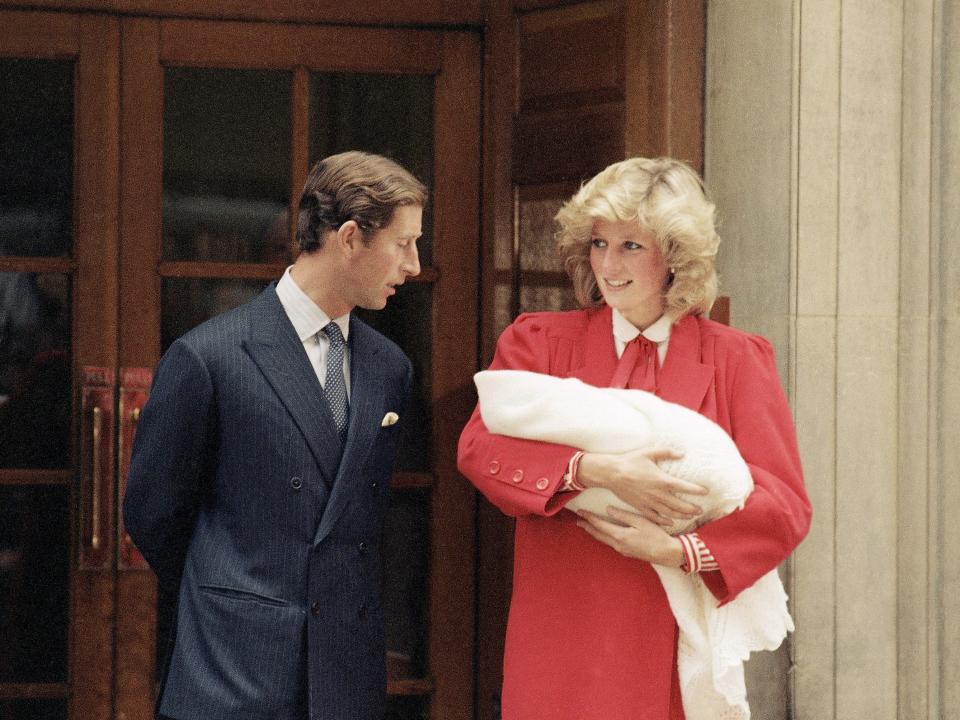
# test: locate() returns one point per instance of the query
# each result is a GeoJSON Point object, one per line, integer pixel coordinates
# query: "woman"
{"type": "Point", "coordinates": [590, 634]}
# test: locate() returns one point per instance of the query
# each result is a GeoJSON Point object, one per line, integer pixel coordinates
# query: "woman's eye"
{"type": "Point", "coordinates": [631, 245]}
{"type": "Point", "coordinates": [598, 243]}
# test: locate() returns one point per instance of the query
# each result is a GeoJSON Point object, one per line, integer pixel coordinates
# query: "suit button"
{"type": "Point", "coordinates": [362, 547]}
{"type": "Point", "coordinates": [374, 484]}
{"type": "Point", "coordinates": [296, 483]}
{"type": "Point", "coordinates": [543, 483]}
{"type": "Point", "coordinates": [315, 609]}
{"type": "Point", "coordinates": [518, 476]}
{"type": "Point", "coordinates": [494, 467]}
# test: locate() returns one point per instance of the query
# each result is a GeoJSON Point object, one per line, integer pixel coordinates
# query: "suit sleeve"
{"type": "Point", "coordinates": [520, 477]}
{"type": "Point", "coordinates": [751, 542]}
{"type": "Point", "coordinates": [167, 463]}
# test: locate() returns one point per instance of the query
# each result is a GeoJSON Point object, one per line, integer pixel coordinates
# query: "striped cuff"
{"type": "Point", "coordinates": [570, 483]}
{"type": "Point", "coordinates": [697, 557]}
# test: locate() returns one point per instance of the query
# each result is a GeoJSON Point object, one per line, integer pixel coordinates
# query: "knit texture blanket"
{"type": "Point", "coordinates": [714, 641]}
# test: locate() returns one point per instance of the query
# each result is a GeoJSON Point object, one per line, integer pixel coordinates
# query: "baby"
{"type": "Point", "coordinates": [713, 641]}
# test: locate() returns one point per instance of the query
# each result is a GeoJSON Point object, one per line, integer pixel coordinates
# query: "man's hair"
{"type": "Point", "coordinates": [356, 186]}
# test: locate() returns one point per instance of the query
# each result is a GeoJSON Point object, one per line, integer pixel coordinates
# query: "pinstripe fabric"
{"type": "Point", "coordinates": [238, 494]}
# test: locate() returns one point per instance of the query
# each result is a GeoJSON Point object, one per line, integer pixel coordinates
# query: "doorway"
{"type": "Point", "coordinates": [155, 166]}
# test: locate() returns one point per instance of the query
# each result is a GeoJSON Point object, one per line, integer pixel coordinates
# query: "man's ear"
{"type": "Point", "coordinates": [349, 237]}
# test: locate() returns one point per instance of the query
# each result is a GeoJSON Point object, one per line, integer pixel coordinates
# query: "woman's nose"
{"type": "Point", "coordinates": [611, 261]}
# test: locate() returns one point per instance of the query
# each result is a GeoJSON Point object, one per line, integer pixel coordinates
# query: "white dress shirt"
{"type": "Point", "coordinates": [308, 320]}
{"type": "Point", "coordinates": [624, 331]}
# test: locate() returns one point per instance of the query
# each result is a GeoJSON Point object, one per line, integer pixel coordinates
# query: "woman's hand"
{"type": "Point", "coordinates": [636, 478]}
{"type": "Point", "coordinates": [636, 537]}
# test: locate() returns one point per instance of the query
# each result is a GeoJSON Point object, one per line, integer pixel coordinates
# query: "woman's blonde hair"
{"type": "Point", "coordinates": [667, 198]}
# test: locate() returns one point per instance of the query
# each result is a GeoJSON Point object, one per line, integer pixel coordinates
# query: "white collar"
{"type": "Point", "coordinates": [625, 331]}
{"type": "Point", "coordinates": [305, 315]}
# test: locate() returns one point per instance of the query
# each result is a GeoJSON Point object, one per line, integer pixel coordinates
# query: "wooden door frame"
{"type": "Point", "coordinates": [656, 105]}
{"type": "Point", "coordinates": [440, 13]}
{"type": "Point", "coordinates": [454, 58]}
{"type": "Point", "coordinates": [92, 43]}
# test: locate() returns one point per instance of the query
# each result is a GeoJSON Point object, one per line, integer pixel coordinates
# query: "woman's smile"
{"type": "Point", "coordinates": [630, 270]}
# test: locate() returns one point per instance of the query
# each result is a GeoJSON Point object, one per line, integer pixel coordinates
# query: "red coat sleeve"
{"type": "Point", "coordinates": [748, 543]}
{"type": "Point", "coordinates": [519, 476]}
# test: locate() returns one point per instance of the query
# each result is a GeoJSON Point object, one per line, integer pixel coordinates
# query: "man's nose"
{"type": "Point", "coordinates": [411, 263]}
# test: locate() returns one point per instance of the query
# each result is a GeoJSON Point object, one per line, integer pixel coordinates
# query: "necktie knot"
{"type": "Point", "coordinates": [335, 387]}
{"type": "Point", "coordinates": [638, 366]}
{"type": "Point", "coordinates": [333, 333]}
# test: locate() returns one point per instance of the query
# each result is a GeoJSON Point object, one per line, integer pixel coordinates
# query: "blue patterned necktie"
{"type": "Point", "coordinates": [335, 387]}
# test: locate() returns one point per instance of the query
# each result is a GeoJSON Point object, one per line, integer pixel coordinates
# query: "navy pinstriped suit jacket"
{"type": "Point", "coordinates": [238, 494]}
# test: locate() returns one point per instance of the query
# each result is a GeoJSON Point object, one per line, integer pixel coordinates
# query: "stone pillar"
{"type": "Point", "coordinates": [833, 151]}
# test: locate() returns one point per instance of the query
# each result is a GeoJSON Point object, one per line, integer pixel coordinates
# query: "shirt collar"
{"type": "Point", "coordinates": [305, 315]}
{"type": "Point", "coordinates": [625, 331]}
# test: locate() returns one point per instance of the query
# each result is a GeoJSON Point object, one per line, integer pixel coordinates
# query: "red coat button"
{"type": "Point", "coordinates": [543, 483]}
{"type": "Point", "coordinates": [518, 476]}
{"type": "Point", "coordinates": [494, 467]}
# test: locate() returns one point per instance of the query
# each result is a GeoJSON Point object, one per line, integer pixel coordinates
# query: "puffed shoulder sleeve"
{"type": "Point", "coordinates": [520, 477]}
{"type": "Point", "coordinates": [750, 542]}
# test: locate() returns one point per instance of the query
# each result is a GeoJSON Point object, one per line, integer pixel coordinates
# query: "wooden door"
{"type": "Point", "coordinates": [150, 169]}
{"type": "Point", "coordinates": [220, 124]}
{"type": "Point", "coordinates": [58, 351]}
{"type": "Point", "coordinates": [572, 86]}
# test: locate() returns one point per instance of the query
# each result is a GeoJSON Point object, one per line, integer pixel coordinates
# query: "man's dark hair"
{"type": "Point", "coordinates": [356, 186]}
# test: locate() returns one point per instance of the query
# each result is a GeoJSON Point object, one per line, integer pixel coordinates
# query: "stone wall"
{"type": "Point", "coordinates": [833, 151]}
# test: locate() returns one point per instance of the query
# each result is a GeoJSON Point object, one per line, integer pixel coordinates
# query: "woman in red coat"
{"type": "Point", "coordinates": [590, 634]}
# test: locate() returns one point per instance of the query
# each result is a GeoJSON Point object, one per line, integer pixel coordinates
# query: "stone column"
{"type": "Point", "coordinates": [833, 151]}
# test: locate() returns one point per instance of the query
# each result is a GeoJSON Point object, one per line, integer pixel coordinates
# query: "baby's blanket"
{"type": "Point", "coordinates": [714, 641]}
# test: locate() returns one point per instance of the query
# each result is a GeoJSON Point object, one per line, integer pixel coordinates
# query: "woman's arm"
{"type": "Point", "coordinates": [750, 542]}
{"type": "Point", "coordinates": [520, 477]}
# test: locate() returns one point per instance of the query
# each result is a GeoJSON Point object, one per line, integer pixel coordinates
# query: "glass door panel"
{"type": "Point", "coordinates": [35, 387]}
{"type": "Point", "coordinates": [36, 144]}
{"type": "Point", "coordinates": [36, 219]}
{"type": "Point", "coordinates": [187, 302]}
{"type": "Point", "coordinates": [226, 165]}
{"type": "Point", "coordinates": [58, 269]}
{"type": "Point", "coordinates": [34, 582]}
{"type": "Point", "coordinates": [392, 115]}
{"type": "Point", "coordinates": [389, 115]}
{"type": "Point", "coordinates": [235, 134]}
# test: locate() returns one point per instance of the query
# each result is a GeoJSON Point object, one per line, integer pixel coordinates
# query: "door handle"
{"type": "Point", "coordinates": [97, 468]}
{"type": "Point", "coordinates": [95, 471]}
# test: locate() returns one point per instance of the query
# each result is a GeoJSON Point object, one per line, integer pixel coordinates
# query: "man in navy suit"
{"type": "Point", "coordinates": [262, 463]}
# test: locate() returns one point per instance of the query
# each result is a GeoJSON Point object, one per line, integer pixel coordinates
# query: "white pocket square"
{"type": "Point", "coordinates": [389, 419]}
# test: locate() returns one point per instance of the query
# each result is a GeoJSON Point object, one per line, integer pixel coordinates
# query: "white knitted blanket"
{"type": "Point", "coordinates": [714, 641]}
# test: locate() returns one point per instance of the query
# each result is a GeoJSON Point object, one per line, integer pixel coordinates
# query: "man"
{"type": "Point", "coordinates": [262, 463]}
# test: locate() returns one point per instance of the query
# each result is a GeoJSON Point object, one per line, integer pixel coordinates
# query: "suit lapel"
{"type": "Point", "coordinates": [683, 378]}
{"type": "Point", "coordinates": [600, 354]}
{"type": "Point", "coordinates": [366, 406]}
{"type": "Point", "coordinates": [278, 352]}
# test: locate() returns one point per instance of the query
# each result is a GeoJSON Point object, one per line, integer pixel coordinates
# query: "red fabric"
{"type": "Point", "coordinates": [637, 366]}
{"type": "Point", "coordinates": [590, 634]}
